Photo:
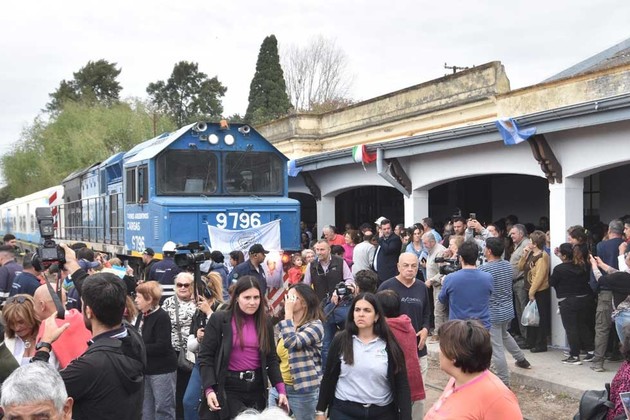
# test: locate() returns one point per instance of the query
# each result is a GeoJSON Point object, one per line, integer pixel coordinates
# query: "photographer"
{"type": "Point", "coordinates": [467, 291]}
{"type": "Point", "coordinates": [434, 278]}
{"type": "Point", "coordinates": [325, 274]}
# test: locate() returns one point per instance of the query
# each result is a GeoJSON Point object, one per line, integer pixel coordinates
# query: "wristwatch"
{"type": "Point", "coordinates": [41, 344]}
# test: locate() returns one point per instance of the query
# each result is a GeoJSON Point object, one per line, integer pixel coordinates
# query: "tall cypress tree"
{"type": "Point", "coordinates": [268, 97]}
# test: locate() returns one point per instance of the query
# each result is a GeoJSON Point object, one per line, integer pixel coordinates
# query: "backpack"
{"type": "Point", "coordinates": [594, 405]}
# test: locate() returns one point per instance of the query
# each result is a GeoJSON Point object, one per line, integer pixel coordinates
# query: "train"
{"type": "Point", "coordinates": [221, 185]}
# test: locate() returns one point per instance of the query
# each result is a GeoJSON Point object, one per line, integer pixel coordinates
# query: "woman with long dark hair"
{"type": "Point", "coordinates": [575, 300]}
{"type": "Point", "coordinates": [365, 375]}
{"type": "Point", "coordinates": [299, 350]}
{"type": "Point", "coordinates": [237, 355]}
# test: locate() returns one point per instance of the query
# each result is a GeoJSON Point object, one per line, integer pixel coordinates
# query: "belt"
{"type": "Point", "coordinates": [245, 375]}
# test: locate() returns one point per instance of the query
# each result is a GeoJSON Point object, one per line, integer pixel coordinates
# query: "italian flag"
{"type": "Point", "coordinates": [361, 155]}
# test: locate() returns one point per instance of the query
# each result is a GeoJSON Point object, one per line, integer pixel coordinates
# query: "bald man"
{"type": "Point", "coordinates": [414, 302]}
{"type": "Point", "coordinates": [73, 342]}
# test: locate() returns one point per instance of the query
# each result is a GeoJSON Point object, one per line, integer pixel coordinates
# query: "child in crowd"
{"type": "Point", "coordinates": [296, 272]}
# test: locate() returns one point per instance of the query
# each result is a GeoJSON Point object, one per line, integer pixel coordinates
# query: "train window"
{"type": "Point", "coordinates": [143, 184]}
{"type": "Point", "coordinates": [186, 172]}
{"type": "Point", "coordinates": [130, 192]}
{"type": "Point", "coordinates": [253, 173]}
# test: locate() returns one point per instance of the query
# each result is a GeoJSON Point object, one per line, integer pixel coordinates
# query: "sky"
{"type": "Point", "coordinates": [390, 44]}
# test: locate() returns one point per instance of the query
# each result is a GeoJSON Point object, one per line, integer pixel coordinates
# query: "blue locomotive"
{"type": "Point", "coordinates": [222, 185]}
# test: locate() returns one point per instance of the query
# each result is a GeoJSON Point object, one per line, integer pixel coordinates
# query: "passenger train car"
{"type": "Point", "coordinates": [169, 188]}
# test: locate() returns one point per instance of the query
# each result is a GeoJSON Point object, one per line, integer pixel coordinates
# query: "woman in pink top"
{"type": "Point", "coordinates": [473, 392]}
{"type": "Point", "coordinates": [237, 356]}
{"type": "Point", "coordinates": [351, 238]}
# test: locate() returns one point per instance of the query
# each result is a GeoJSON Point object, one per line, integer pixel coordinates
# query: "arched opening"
{"type": "Point", "coordinates": [366, 204]}
{"type": "Point", "coordinates": [491, 197]}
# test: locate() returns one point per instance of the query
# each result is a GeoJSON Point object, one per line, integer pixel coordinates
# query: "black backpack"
{"type": "Point", "coordinates": [594, 405]}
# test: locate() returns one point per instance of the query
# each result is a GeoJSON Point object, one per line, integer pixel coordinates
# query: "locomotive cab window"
{"type": "Point", "coordinates": [187, 172]}
{"type": "Point", "coordinates": [130, 192]}
{"type": "Point", "coordinates": [251, 173]}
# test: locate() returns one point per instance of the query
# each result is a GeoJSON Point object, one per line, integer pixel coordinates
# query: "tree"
{"type": "Point", "coordinates": [79, 136]}
{"type": "Point", "coordinates": [268, 97]}
{"type": "Point", "coordinates": [317, 75]}
{"type": "Point", "coordinates": [95, 83]}
{"type": "Point", "coordinates": [188, 95]}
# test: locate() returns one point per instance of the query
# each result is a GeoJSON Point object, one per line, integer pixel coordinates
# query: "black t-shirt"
{"type": "Point", "coordinates": [414, 302]}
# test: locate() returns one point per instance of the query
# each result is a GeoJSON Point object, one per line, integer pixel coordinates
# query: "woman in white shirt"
{"type": "Point", "coordinates": [365, 375]}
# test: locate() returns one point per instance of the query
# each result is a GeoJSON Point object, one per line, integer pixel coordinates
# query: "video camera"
{"type": "Point", "coordinates": [342, 290]}
{"type": "Point", "coordinates": [196, 256]}
{"type": "Point", "coordinates": [451, 265]}
{"type": "Point", "coordinates": [49, 252]}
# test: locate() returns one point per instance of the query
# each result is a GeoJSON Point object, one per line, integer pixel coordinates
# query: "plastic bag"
{"type": "Point", "coordinates": [531, 317]}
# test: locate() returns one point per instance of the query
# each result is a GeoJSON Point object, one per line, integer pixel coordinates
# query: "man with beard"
{"type": "Point", "coordinates": [106, 382]}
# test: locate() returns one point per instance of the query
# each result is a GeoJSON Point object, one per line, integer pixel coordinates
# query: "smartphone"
{"type": "Point", "coordinates": [126, 263]}
{"type": "Point", "coordinates": [472, 216]}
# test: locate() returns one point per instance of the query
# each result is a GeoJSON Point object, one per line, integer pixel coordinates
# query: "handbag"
{"type": "Point", "coordinates": [183, 363]}
{"type": "Point", "coordinates": [530, 317]}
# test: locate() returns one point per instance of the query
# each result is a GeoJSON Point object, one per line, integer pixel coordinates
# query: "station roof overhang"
{"type": "Point", "coordinates": [586, 114]}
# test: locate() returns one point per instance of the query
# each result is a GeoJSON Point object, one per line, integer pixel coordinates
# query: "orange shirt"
{"type": "Point", "coordinates": [337, 240]}
{"type": "Point", "coordinates": [483, 398]}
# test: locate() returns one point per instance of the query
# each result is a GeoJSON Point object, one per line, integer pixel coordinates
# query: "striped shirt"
{"type": "Point", "coordinates": [501, 305]}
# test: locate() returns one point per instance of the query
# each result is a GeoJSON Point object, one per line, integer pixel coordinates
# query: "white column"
{"type": "Point", "coordinates": [416, 206]}
{"type": "Point", "coordinates": [566, 208]}
{"type": "Point", "coordinates": [325, 213]}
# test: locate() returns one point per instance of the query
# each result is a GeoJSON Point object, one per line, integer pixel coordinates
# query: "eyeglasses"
{"type": "Point", "coordinates": [16, 299]}
{"type": "Point", "coordinates": [184, 285]}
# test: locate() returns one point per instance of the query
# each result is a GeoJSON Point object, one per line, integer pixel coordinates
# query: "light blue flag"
{"type": "Point", "coordinates": [511, 133]}
{"type": "Point", "coordinates": [292, 168]}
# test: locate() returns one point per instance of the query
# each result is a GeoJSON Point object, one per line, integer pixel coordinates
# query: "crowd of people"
{"type": "Point", "coordinates": [349, 342]}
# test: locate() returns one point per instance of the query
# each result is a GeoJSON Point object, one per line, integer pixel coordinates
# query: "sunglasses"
{"type": "Point", "coordinates": [184, 285]}
{"type": "Point", "coordinates": [16, 299]}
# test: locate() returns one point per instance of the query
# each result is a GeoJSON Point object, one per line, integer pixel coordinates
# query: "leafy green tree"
{"type": "Point", "coordinates": [95, 83]}
{"type": "Point", "coordinates": [188, 95]}
{"type": "Point", "coordinates": [268, 97]}
{"type": "Point", "coordinates": [78, 137]}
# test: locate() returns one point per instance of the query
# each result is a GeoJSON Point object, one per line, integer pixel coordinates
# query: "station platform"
{"type": "Point", "coordinates": [550, 374]}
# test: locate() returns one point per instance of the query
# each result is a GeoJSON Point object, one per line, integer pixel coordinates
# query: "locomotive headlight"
{"type": "Point", "coordinates": [213, 139]}
{"type": "Point", "coordinates": [229, 139]}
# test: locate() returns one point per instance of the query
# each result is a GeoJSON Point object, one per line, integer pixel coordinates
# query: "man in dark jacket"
{"type": "Point", "coordinates": [147, 262]}
{"type": "Point", "coordinates": [106, 382]}
{"type": "Point", "coordinates": [252, 267]}
{"type": "Point", "coordinates": [389, 246]}
{"type": "Point", "coordinates": [10, 268]}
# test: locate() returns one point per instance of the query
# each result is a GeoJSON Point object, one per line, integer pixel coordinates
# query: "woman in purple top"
{"type": "Point", "coordinates": [237, 356]}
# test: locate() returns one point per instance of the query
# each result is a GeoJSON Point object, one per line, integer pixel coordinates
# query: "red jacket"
{"type": "Point", "coordinates": [406, 337]}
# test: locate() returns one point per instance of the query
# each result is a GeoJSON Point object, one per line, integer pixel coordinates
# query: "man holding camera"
{"type": "Point", "coordinates": [467, 291]}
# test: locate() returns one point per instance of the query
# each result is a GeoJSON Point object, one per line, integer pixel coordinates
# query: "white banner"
{"type": "Point", "coordinates": [225, 240]}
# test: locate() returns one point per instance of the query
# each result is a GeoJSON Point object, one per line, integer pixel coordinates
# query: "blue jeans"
{"type": "Point", "coordinates": [192, 396]}
{"type": "Point", "coordinates": [302, 404]}
{"type": "Point", "coordinates": [622, 319]}
{"type": "Point", "coordinates": [335, 319]}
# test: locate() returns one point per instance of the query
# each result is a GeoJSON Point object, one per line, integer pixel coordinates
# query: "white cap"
{"type": "Point", "coordinates": [169, 247]}
{"type": "Point", "coordinates": [379, 220]}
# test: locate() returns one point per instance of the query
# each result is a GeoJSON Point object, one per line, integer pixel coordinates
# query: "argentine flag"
{"type": "Point", "coordinates": [511, 133]}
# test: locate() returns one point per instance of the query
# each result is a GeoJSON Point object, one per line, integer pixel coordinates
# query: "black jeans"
{"type": "Point", "coordinates": [242, 394]}
{"type": "Point", "coordinates": [537, 336]}
{"type": "Point", "coordinates": [576, 314]}
{"type": "Point", "coordinates": [348, 410]}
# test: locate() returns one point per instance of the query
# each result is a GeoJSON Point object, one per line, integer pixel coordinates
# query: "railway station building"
{"type": "Point", "coordinates": [439, 151]}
